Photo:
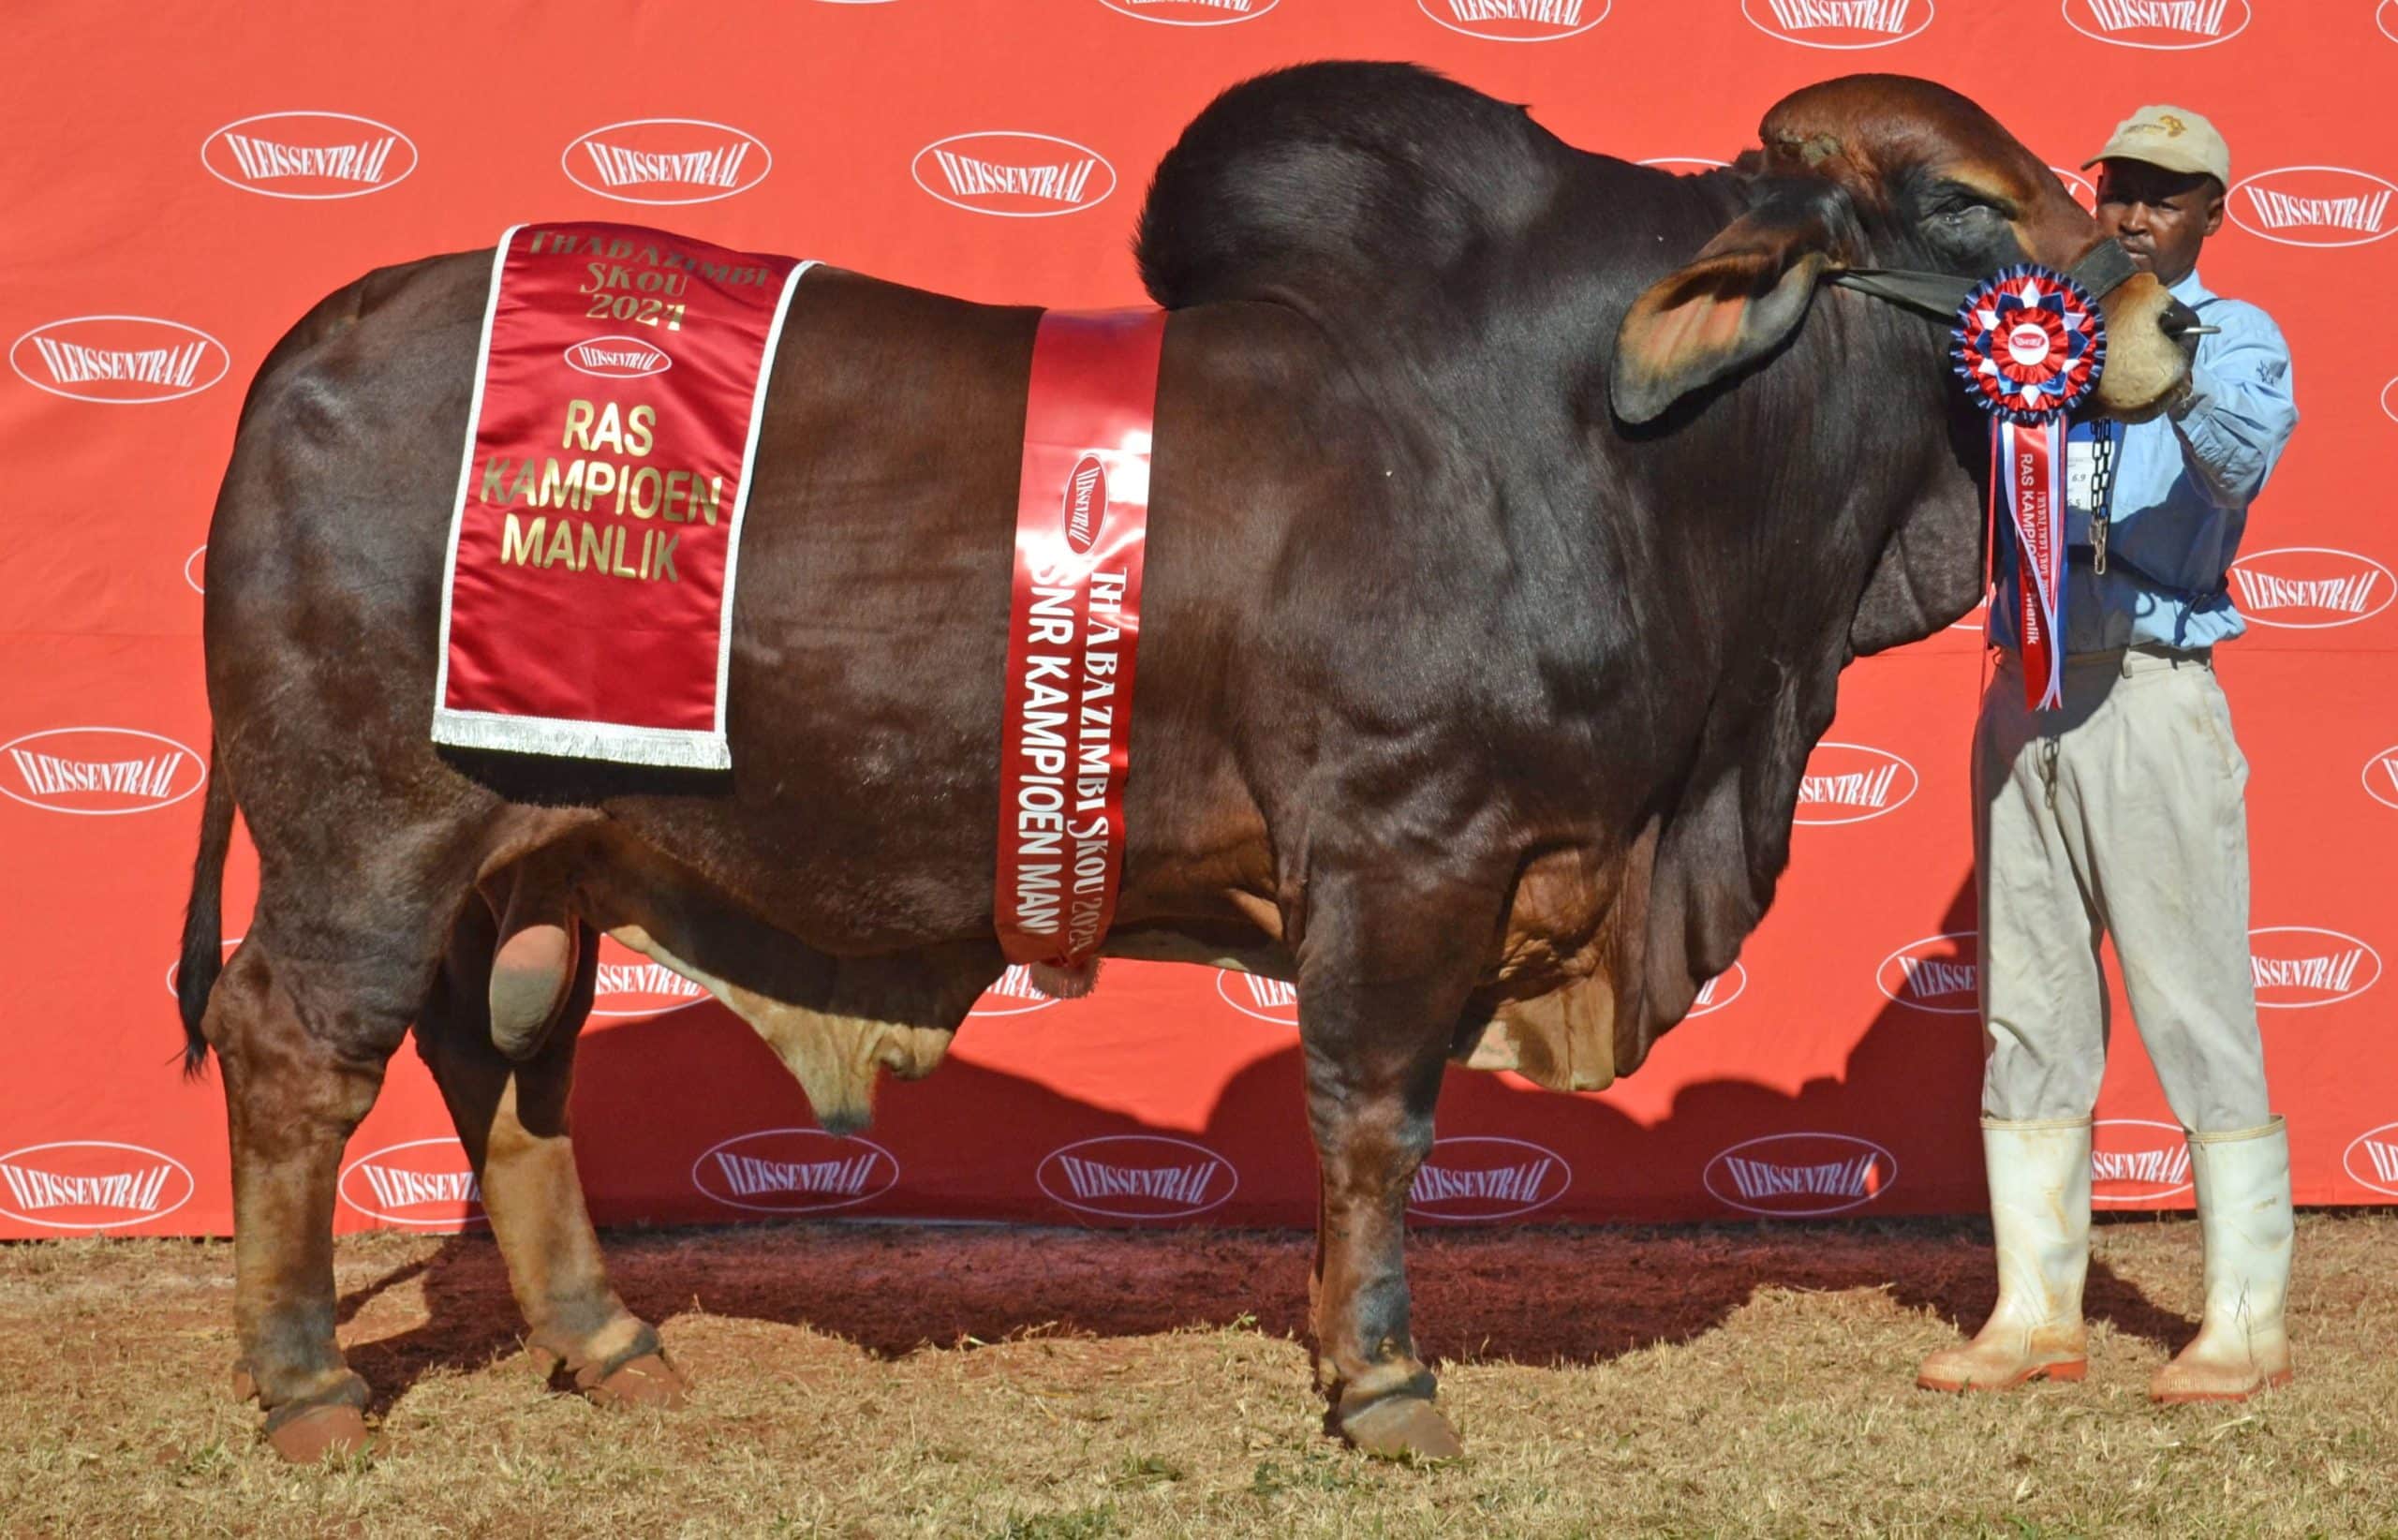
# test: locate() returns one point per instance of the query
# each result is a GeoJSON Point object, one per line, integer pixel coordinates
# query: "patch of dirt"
{"type": "Point", "coordinates": [869, 1380]}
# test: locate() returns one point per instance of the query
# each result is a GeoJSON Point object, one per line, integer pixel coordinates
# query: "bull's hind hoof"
{"type": "Point", "coordinates": [1402, 1427]}
{"type": "Point", "coordinates": [312, 1433]}
{"type": "Point", "coordinates": [646, 1381]}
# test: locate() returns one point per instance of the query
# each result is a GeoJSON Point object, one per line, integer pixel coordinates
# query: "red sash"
{"type": "Point", "coordinates": [587, 609]}
{"type": "Point", "coordinates": [1081, 522]}
{"type": "Point", "coordinates": [2031, 458]}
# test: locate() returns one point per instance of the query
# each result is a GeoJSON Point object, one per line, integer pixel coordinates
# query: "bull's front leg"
{"type": "Point", "coordinates": [1386, 963]}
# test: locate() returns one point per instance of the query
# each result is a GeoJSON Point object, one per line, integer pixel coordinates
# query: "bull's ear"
{"type": "Point", "coordinates": [1741, 298]}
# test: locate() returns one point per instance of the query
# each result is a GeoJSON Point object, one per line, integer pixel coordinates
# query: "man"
{"type": "Point", "coordinates": [2123, 812]}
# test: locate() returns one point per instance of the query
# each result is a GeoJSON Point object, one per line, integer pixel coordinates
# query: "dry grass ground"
{"type": "Point", "coordinates": [862, 1380]}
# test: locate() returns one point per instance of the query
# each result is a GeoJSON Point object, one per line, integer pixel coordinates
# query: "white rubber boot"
{"type": "Point", "coordinates": [2040, 1214]}
{"type": "Point", "coordinates": [2246, 1221]}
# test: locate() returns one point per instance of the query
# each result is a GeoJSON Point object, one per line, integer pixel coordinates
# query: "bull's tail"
{"type": "Point", "coordinates": [204, 916]}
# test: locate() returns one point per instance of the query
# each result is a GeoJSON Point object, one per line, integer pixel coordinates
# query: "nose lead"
{"type": "Point", "coordinates": [2179, 320]}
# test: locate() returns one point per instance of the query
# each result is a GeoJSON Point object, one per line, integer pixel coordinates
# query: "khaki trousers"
{"type": "Point", "coordinates": [2122, 814]}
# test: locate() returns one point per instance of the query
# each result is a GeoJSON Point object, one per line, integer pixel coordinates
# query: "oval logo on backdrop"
{"type": "Point", "coordinates": [119, 361]}
{"type": "Point", "coordinates": [195, 567]}
{"type": "Point", "coordinates": [1255, 995]}
{"type": "Point", "coordinates": [99, 771]}
{"type": "Point", "coordinates": [1685, 165]}
{"type": "Point", "coordinates": [1939, 974]}
{"type": "Point", "coordinates": [1798, 1174]}
{"type": "Point", "coordinates": [1013, 176]}
{"type": "Point", "coordinates": [1085, 504]}
{"type": "Point", "coordinates": [667, 161]}
{"type": "Point", "coordinates": [2297, 967]}
{"type": "Point", "coordinates": [1720, 991]}
{"type": "Point", "coordinates": [794, 1171]}
{"type": "Point", "coordinates": [1137, 1176]}
{"type": "Point", "coordinates": [1517, 21]}
{"type": "Point", "coordinates": [1850, 782]}
{"type": "Point", "coordinates": [309, 155]}
{"type": "Point", "coordinates": [423, 1183]}
{"type": "Point", "coordinates": [1013, 995]}
{"type": "Point", "coordinates": [617, 358]}
{"type": "Point", "coordinates": [2310, 587]}
{"type": "Point", "coordinates": [1839, 23]}
{"type": "Point", "coordinates": [91, 1184]}
{"type": "Point", "coordinates": [1475, 1178]}
{"type": "Point", "coordinates": [1192, 13]}
{"type": "Point", "coordinates": [2386, 18]}
{"type": "Point", "coordinates": [2372, 1159]}
{"type": "Point", "coordinates": [1976, 619]}
{"type": "Point", "coordinates": [2169, 25]}
{"type": "Point", "coordinates": [2390, 391]}
{"type": "Point", "coordinates": [2133, 1159]}
{"type": "Point", "coordinates": [2083, 191]}
{"type": "Point", "coordinates": [2381, 776]}
{"type": "Point", "coordinates": [2313, 206]}
{"type": "Point", "coordinates": [630, 984]}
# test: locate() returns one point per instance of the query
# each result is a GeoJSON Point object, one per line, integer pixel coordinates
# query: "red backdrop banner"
{"type": "Point", "coordinates": [179, 191]}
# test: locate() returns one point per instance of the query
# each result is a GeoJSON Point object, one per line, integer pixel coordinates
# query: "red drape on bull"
{"type": "Point", "coordinates": [1082, 523]}
{"type": "Point", "coordinates": [588, 609]}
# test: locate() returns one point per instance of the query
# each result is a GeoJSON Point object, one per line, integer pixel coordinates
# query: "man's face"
{"type": "Point", "coordinates": [2162, 217]}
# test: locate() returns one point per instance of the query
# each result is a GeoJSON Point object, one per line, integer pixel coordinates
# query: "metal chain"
{"type": "Point", "coordinates": [2102, 479]}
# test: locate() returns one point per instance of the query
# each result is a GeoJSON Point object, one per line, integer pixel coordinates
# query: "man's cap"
{"type": "Point", "coordinates": [2174, 137]}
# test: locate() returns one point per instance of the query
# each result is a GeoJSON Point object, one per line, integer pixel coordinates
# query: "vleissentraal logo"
{"type": "Point", "coordinates": [424, 1184]}
{"type": "Point", "coordinates": [1685, 165]}
{"type": "Point", "coordinates": [1474, 1179]}
{"type": "Point", "coordinates": [617, 358]}
{"type": "Point", "coordinates": [2084, 192]}
{"type": "Point", "coordinates": [1255, 995]}
{"type": "Point", "coordinates": [2372, 1159]}
{"type": "Point", "coordinates": [2310, 587]}
{"type": "Point", "coordinates": [2171, 25]}
{"type": "Point", "coordinates": [1013, 995]}
{"type": "Point", "coordinates": [119, 361]}
{"type": "Point", "coordinates": [91, 1184]}
{"type": "Point", "coordinates": [794, 1171]}
{"type": "Point", "coordinates": [1839, 23]}
{"type": "Point", "coordinates": [1137, 1176]}
{"type": "Point", "coordinates": [1720, 991]}
{"type": "Point", "coordinates": [630, 984]}
{"type": "Point", "coordinates": [1517, 21]}
{"type": "Point", "coordinates": [2315, 206]}
{"type": "Point", "coordinates": [1796, 1176]}
{"type": "Point", "coordinates": [99, 771]}
{"type": "Point", "coordinates": [667, 161]}
{"type": "Point", "coordinates": [1013, 176]}
{"type": "Point", "coordinates": [2135, 1161]}
{"type": "Point", "coordinates": [1851, 782]}
{"type": "Point", "coordinates": [1192, 13]}
{"type": "Point", "coordinates": [309, 155]}
{"type": "Point", "coordinates": [1940, 975]}
{"type": "Point", "coordinates": [2299, 967]}
{"type": "Point", "coordinates": [2381, 776]}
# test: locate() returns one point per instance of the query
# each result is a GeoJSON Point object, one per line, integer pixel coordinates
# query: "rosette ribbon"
{"type": "Point", "coordinates": [2030, 344]}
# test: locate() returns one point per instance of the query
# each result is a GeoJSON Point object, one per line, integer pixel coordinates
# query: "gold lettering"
{"type": "Point", "coordinates": [521, 548]}
{"type": "Point", "coordinates": [666, 556]}
{"type": "Point", "coordinates": [562, 548]}
{"type": "Point", "coordinates": [678, 488]}
{"type": "Point", "coordinates": [707, 505]}
{"type": "Point", "coordinates": [525, 483]}
{"type": "Point", "coordinates": [637, 436]}
{"type": "Point", "coordinates": [616, 563]}
{"type": "Point", "coordinates": [595, 550]}
{"type": "Point", "coordinates": [493, 468]}
{"type": "Point", "coordinates": [650, 477]}
{"type": "Point", "coordinates": [600, 479]}
{"type": "Point", "coordinates": [579, 414]}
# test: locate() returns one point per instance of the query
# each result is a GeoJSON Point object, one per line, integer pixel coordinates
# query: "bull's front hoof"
{"type": "Point", "coordinates": [646, 1381]}
{"type": "Point", "coordinates": [1402, 1427]}
{"type": "Point", "coordinates": [312, 1433]}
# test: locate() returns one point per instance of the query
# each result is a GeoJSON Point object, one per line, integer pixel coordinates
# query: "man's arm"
{"type": "Point", "coordinates": [2237, 411]}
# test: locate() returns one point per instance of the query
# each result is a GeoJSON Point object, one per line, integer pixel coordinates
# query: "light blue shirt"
{"type": "Point", "coordinates": [2182, 484]}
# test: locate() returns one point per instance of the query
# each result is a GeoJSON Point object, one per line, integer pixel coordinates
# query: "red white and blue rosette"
{"type": "Point", "coordinates": [2030, 345]}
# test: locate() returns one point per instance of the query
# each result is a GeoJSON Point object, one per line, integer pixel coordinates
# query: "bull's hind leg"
{"type": "Point", "coordinates": [1384, 969]}
{"type": "Point", "coordinates": [511, 1118]}
{"type": "Point", "coordinates": [303, 1043]}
